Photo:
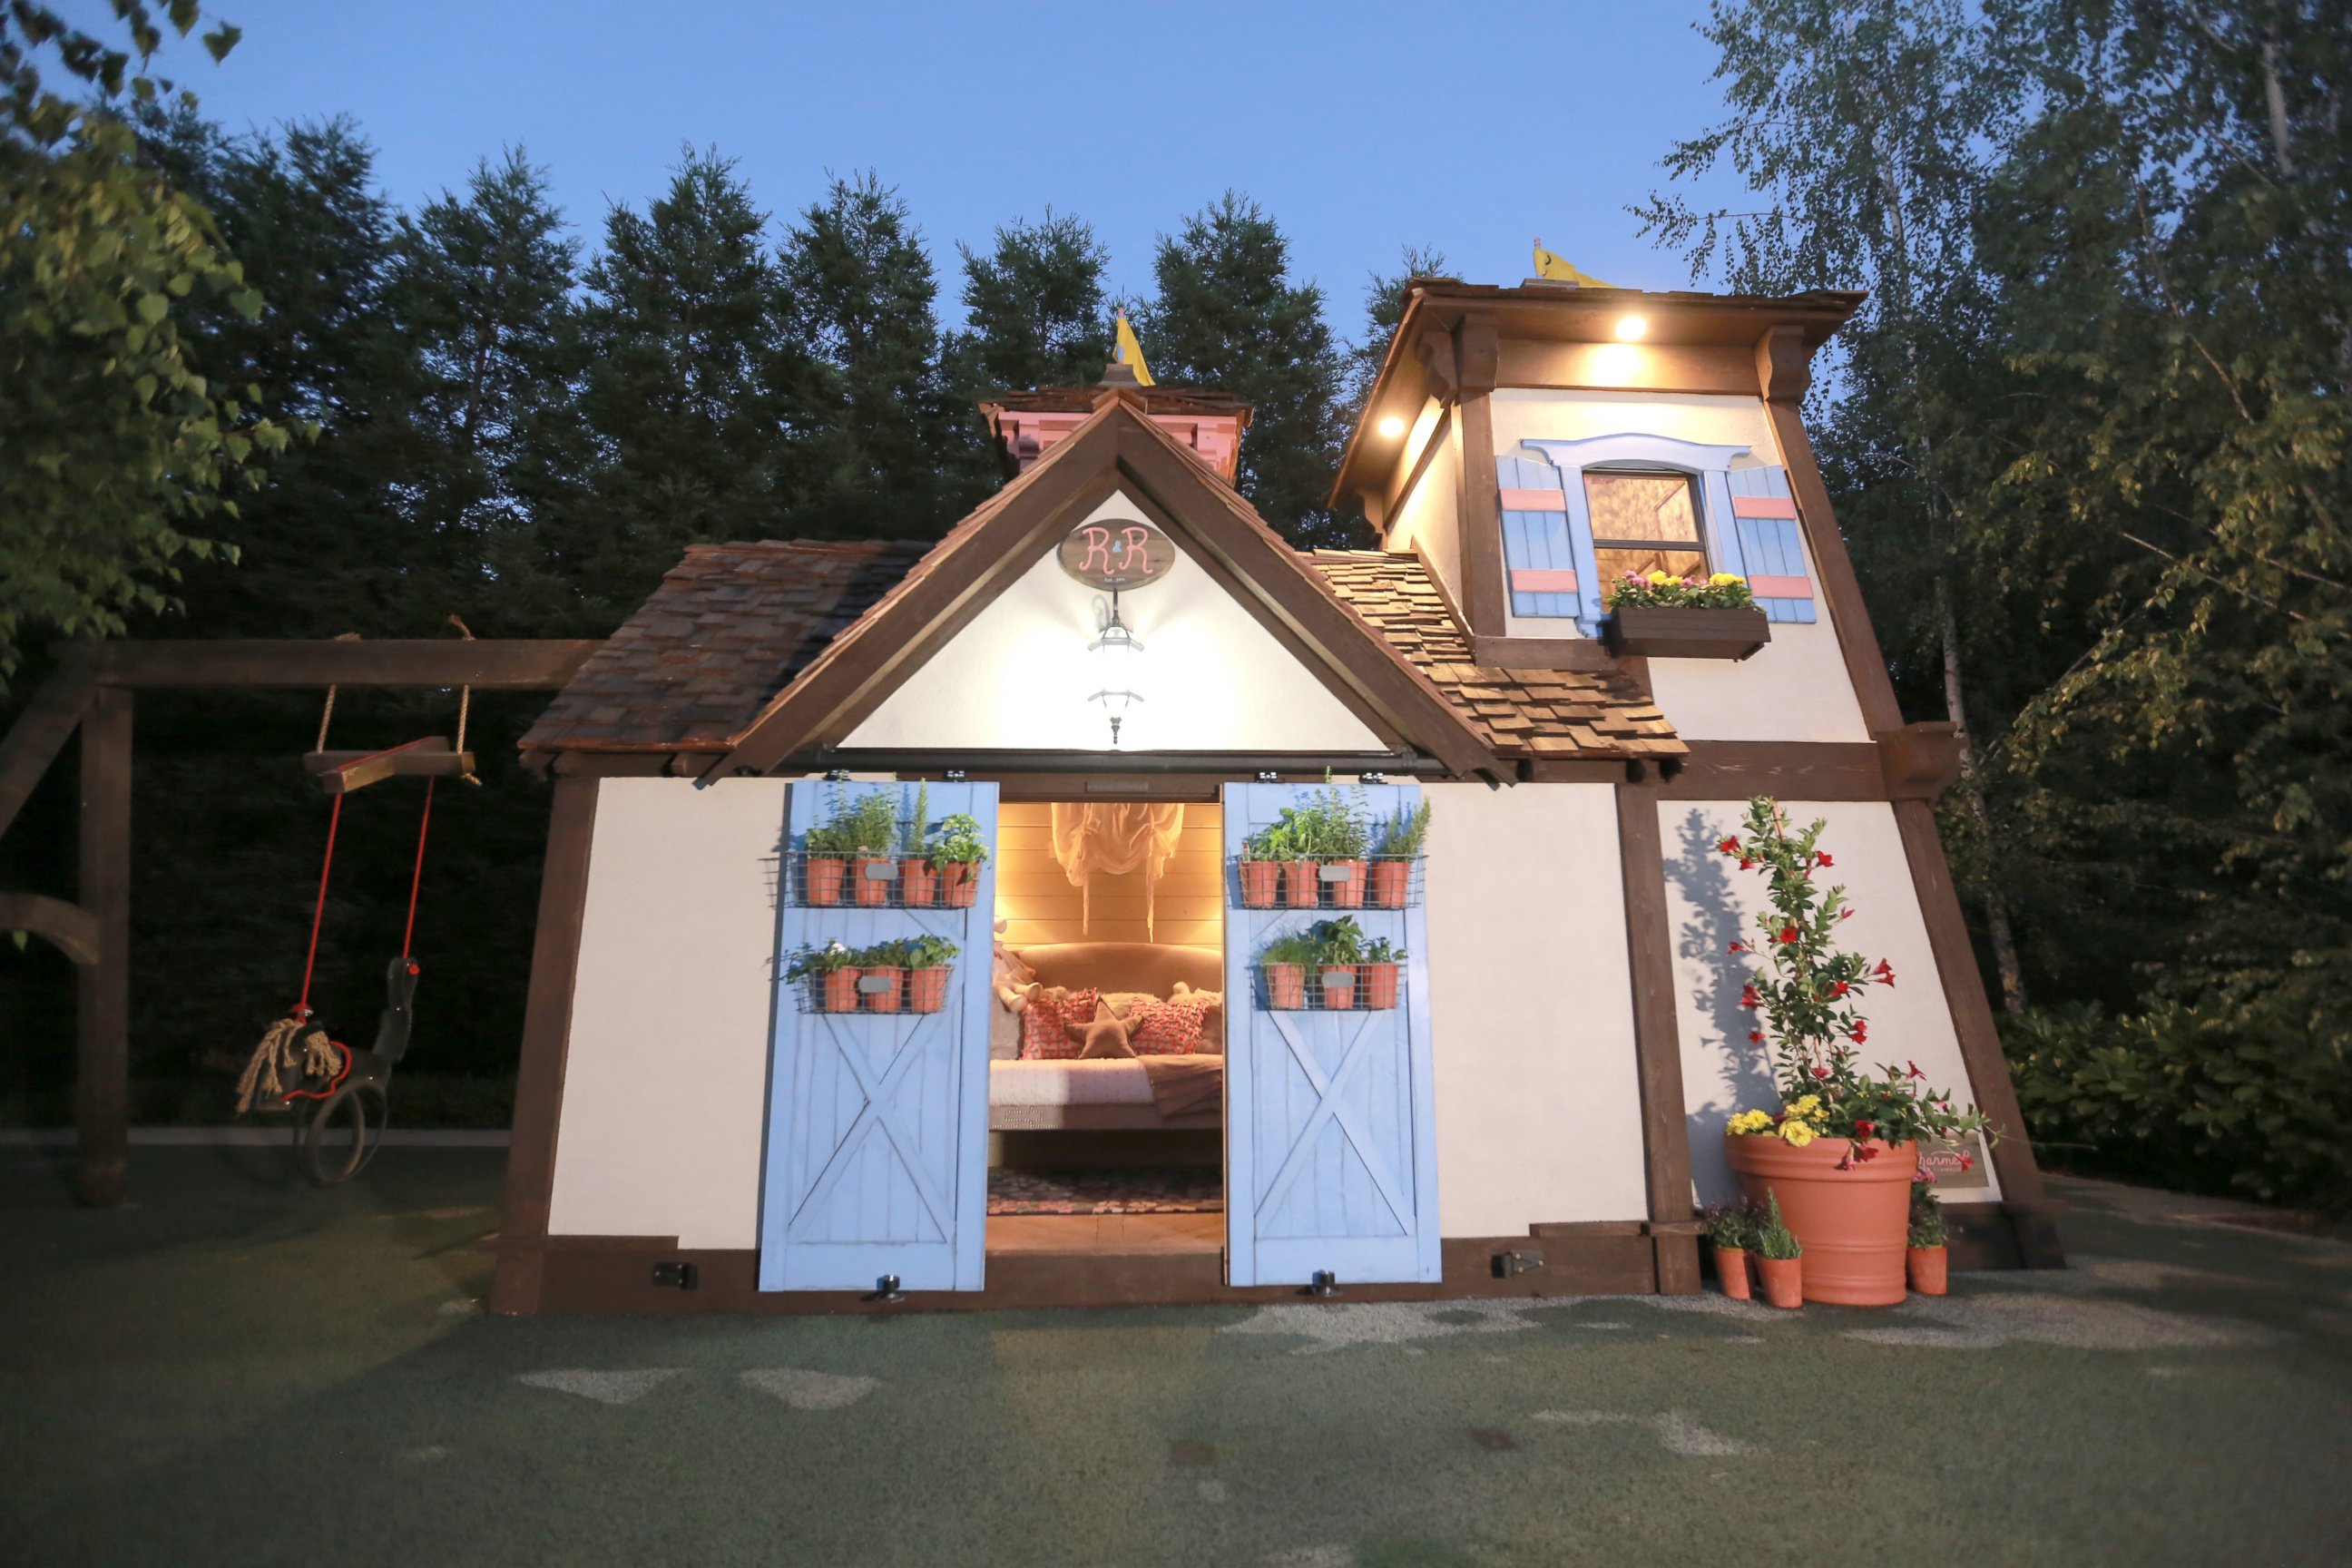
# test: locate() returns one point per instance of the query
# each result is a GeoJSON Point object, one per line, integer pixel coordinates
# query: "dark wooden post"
{"type": "Point", "coordinates": [1657, 1040]}
{"type": "Point", "coordinates": [102, 1066]}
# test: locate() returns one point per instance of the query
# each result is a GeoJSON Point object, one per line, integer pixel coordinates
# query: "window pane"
{"type": "Point", "coordinates": [1640, 506]}
{"type": "Point", "coordinates": [1615, 563]}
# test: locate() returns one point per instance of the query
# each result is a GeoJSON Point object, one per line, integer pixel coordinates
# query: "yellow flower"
{"type": "Point", "coordinates": [1807, 1105]}
{"type": "Point", "coordinates": [1795, 1134]}
{"type": "Point", "coordinates": [1661, 578]}
{"type": "Point", "coordinates": [1748, 1122]}
{"type": "Point", "coordinates": [1725, 579]}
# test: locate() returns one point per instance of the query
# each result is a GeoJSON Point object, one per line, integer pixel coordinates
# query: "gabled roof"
{"type": "Point", "coordinates": [1546, 714]}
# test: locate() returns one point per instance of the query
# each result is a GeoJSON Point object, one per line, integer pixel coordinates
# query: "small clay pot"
{"type": "Point", "coordinates": [1380, 985]}
{"type": "Point", "coordinates": [1339, 982]}
{"type": "Point", "coordinates": [960, 884]}
{"type": "Point", "coordinates": [1348, 891]}
{"type": "Point", "coordinates": [886, 999]}
{"type": "Point", "coordinates": [1391, 881]}
{"type": "Point", "coordinates": [873, 888]}
{"type": "Point", "coordinates": [1926, 1266]}
{"type": "Point", "coordinates": [917, 882]}
{"type": "Point", "coordinates": [1731, 1270]}
{"type": "Point", "coordinates": [1285, 986]}
{"type": "Point", "coordinates": [1301, 883]}
{"type": "Point", "coordinates": [821, 879]}
{"type": "Point", "coordinates": [927, 989]}
{"type": "Point", "coordinates": [1260, 883]}
{"type": "Point", "coordinates": [839, 993]}
{"type": "Point", "coordinates": [1784, 1281]}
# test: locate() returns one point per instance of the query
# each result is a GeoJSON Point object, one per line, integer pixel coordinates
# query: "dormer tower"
{"type": "Point", "coordinates": [1207, 422]}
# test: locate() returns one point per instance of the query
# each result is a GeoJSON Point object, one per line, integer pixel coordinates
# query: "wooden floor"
{"type": "Point", "coordinates": [1105, 1233]}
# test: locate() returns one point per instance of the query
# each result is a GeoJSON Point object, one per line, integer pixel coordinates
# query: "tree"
{"type": "Point", "coordinates": [116, 437]}
{"type": "Point", "coordinates": [1036, 310]}
{"type": "Point", "coordinates": [1384, 310]}
{"type": "Point", "coordinates": [1228, 315]}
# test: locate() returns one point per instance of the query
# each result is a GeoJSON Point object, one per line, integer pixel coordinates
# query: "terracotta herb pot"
{"type": "Point", "coordinates": [1731, 1270]}
{"type": "Point", "coordinates": [1348, 891]}
{"type": "Point", "coordinates": [839, 994]}
{"type": "Point", "coordinates": [1260, 883]}
{"type": "Point", "coordinates": [1380, 985]}
{"type": "Point", "coordinates": [1339, 982]}
{"type": "Point", "coordinates": [1784, 1281]}
{"type": "Point", "coordinates": [821, 879]}
{"type": "Point", "coordinates": [927, 989]}
{"type": "Point", "coordinates": [886, 999]}
{"type": "Point", "coordinates": [1927, 1267]}
{"type": "Point", "coordinates": [918, 881]}
{"type": "Point", "coordinates": [1853, 1224]}
{"type": "Point", "coordinates": [1285, 986]}
{"type": "Point", "coordinates": [1300, 884]}
{"type": "Point", "coordinates": [1392, 880]}
{"type": "Point", "coordinates": [960, 883]}
{"type": "Point", "coordinates": [876, 877]}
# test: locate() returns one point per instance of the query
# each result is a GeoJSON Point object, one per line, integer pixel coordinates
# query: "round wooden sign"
{"type": "Point", "coordinates": [1117, 554]}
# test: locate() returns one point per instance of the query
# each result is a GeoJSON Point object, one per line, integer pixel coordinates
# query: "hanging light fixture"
{"type": "Point", "coordinates": [1117, 655]}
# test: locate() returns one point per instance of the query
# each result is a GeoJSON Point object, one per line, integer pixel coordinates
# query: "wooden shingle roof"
{"type": "Point", "coordinates": [1547, 714]}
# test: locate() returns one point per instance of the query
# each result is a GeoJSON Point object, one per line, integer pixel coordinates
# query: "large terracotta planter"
{"type": "Point", "coordinates": [960, 882]}
{"type": "Point", "coordinates": [1260, 883]}
{"type": "Point", "coordinates": [1853, 1224]}
{"type": "Point", "coordinates": [1392, 880]}
{"type": "Point", "coordinates": [1380, 985]}
{"type": "Point", "coordinates": [876, 880]}
{"type": "Point", "coordinates": [821, 879]}
{"type": "Point", "coordinates": [927, 989]}
{"type": "Point", "coordinates": [882, 998]}
{"type": "Point", "coordinates": [1731, 1271]}
{"type": "Point", "coordinates": [1346, 888]}
{"type": "Point", "coordinates": [1927, 1267]}
{"type": "Point", "coordinates": [1300, 886]}
{"type": "Point", "coordinates": [918, 881]}
{"type": "Point", "coordinates": [1285, 986]}
{"type": "Point", "coordinates": [1786, 1281]}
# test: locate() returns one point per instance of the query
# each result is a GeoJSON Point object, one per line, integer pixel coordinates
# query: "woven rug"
{"type": "Point", "coordinates": [1174, 1189]}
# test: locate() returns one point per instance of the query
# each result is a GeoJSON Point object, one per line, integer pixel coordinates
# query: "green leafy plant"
{"type": "Point", "coordinates": [927, 952]}
{"type": "Point", "coordinates": [1331, 824]}
{"type": "Point", "coordinates": [866, 824]}
{"type": "Point", "coordinates": [958, 843]}
{"type": "Point", "coordinates": [1926, 1223]}
{"type": "Point", "coordinates": [1729, 1225]}
{"type": "Point", "coordinates": [913, 830]}
{"type": "Point", "coordinates": [1665, 591]}
{"type": "Point", "coordinates": [1774, 1239]}
{"type": "Point", "coordinates": [1405, 833]}
{"type": "Point", "coordinates": [1379, 949]}
{"type": "Point", "coordinates": [1339, 942]}
{"type": "Point", "coordinates": [1276, 841]}
{"type": "Point", "coordinates": [1290, 947]}
{"type": "Point", "coordinates": [809, 962]}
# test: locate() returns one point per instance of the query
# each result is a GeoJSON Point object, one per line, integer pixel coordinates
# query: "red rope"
{"type": "Point", "coordinates": [416, 878]}
{"type": "Point", "coordinates": [318, 912]}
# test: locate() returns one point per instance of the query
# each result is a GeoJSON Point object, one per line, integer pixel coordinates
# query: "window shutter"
{"type": "Point", "coordinates": [1764, 516]}
{"type": "Point", "coordinates": [1546, 559]}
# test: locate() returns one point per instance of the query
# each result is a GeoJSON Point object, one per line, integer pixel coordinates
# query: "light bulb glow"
{"type": "Point", "coordinates": [1390, 426]}
{"type": "Point", "coordinates": [1632, 329]}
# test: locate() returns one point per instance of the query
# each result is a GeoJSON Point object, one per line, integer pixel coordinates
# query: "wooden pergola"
{"type": "Point", "coordinates": [90, 690]}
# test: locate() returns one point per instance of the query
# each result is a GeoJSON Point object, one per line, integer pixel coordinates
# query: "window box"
{"type": "Point", "coordinates": [1652, 633]}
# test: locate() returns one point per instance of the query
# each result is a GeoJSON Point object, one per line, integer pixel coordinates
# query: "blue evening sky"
{"type": "Point", "coordinates": [1468, 127]}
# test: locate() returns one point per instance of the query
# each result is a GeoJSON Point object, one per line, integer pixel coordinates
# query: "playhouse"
{"type": "Point", "coordinates": [1372, 892]}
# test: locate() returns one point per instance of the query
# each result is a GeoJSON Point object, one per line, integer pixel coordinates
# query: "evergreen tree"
{"type": "Point", "coordinates": [1228, 315]}
{"type": "Point", "coordinates": [1384, 310]}
{"type": "Point", "coordinates": [1035, 309]}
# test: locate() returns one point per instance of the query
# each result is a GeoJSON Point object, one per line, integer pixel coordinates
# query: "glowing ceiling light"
{"type": "Point", "coordinates": [1632, 329]}
{"type": "Point", "coordinates": [1390, 426]}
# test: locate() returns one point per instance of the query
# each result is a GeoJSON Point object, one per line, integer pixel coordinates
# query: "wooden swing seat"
{"type": "Point", "coordinates": [340, 772]}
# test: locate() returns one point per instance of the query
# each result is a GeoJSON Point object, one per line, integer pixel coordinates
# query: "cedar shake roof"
{"type": "Point", "coordinates": [1547, 714]}
{"type": "Point", "coordinates": [729, 627]}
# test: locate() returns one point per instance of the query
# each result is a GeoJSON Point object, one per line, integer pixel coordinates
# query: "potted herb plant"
{"type": "Point", "coordinates": [1339, 948]}
{"type": "Point", "coordinates": [1840, 1151]}
{"type": "Point", "coordinates": [1283, 962]}
{"type": "Point", "coordinates": [830, 972]}
{"type": "Point", "coordinates": [866, 829]}
{"type": "Point", "coordinates": [917, 883]}
{"type": "Point", "coordinates": [1262, 854]}
{"type": "Point", "coordinates": [1780, 1255]}
{"type": "Point", "coordinates": [957, 855]}
{"type": "Point", "coordinates": [1924, 1254]}
{"type": "Point", "coordinates": [882, 976]}
{"type": "Point", "coordinates": [1400, 843]}
{"type": "Point", "coordinates": [1728, 1230]}
{"type": "Point", "coordinates": [1382, 962]}
{"type": "Point", "coordinates": [1302, 830]}
{"type": "Point", "coordinates": [1658, 614]}
{"type": "Point", "coordinates": [927, 960]}
{"type": "Point", "coordinates": [824, 860]}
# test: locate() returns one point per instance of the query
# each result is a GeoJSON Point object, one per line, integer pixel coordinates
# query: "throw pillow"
{"type": "Point", "coordinates": [1104, 1036]}
{"type": "Point", "coordinates": [1004, 1024]}
{"type": "Point", "coordinates": [1120, 1002]}
{"type": "Point", "coordinates": [1170, 1028]}
{"type": "Point", "coordinates": [1045, 1021]}
{"type": "Point", "coordinates": [1213, 1018]}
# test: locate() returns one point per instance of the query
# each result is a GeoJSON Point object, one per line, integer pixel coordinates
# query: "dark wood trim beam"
{"type": "Point", "coordinates": [71, 929]}
{"type": "Point", "coordinates": [516, 1285]}
{"type": "Point", "coordinates": [102, 1053]}
{"type": "Point", "coordinates": [1712, 369]}
{"type": "Point", "coordinates": [1657, 1039]}
{"type": "Point", "coordinates": [1920, 761]}
{"type": "Point", "coordinates": [488, 664]}
{"type": "Point", "coordinates": [1478, 524]}
{"type": "Point", "coordinates": [2021, 1192]}
{"type": "Point", "coordinates": [1790, 770]}
{"type": "Point", "coordinates": [1586, 654]}
{"type": "Point", "coordinates": [40, 731]}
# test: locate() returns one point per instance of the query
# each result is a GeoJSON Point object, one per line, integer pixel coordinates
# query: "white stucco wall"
{"type": "Point", "coordinates": [1710, 904]}
{"type": "Point", "coordinates": [1019, 676]}
{"type": "Point", "coordinates": [1427, 521]}
{"type": "Point", "coordinates": [665, 1081]}
{"type": "Point", "coordinates": [1538, 1103]}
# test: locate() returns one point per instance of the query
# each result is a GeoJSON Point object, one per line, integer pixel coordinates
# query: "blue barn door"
{"type": "Point", "coordinates": [1330, 1140]}
{"type": "Point", "coordinates": [877, 1160]}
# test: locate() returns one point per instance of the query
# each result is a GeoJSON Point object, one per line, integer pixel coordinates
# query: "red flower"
{"type": "Point", "coordinates": [1755, 1035]}
{"type": "Point", "coordinates": [1821, 1072]}
{"type": "Point", "coordinates": [1824, 858]}
{"type": "Point", "coordinates": [1846, 1164]}
{"type": "Point", "coordinates": [1729, 846]}
{"type": "Point", "coordinates": [1840, 989]}
{"type": "Point", "coordinates": [1787, 937]}
{"type": "Point", "coordinates": [1736, 947]}
{"type": "Point", "coordinates": [1865, 1153]}
{"type": "Point", "coordinates": [1968, 1163]}
{"type": "Point", "coordinates": [1864, 1128]}
{"type": "Point", "coordinates": [1745, 863]}
{"type": "Point", "coordinates": [1846, 914]}
{"type": "Point", "coordinates": [1860, 1032]}
{"type": "Point", "coordinates": [1884, 974]}
{"type": "Point", "coordinates": [1749, 997]}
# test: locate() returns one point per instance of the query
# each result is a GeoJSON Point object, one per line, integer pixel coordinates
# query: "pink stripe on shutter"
{"type": "Point", "coordinates": [1780, 587]}
{"type": "Point", "coordinates": [1763, 506]}
{"type": "Point", "coordinates": [1534, 501]}
{"type": "Point", "coordinates": [1540, 580]}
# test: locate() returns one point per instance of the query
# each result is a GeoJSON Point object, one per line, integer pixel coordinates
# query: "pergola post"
{"type": "Point", "coordinates": [102, 1061]}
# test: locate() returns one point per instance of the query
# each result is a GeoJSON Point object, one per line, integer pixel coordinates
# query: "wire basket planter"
{"type": "Point", "coordinates": [1372, 882]}
{"type": "Point", "coordinates": [1329, 987]}
{"type": "Point", "coordinates": [877, 991]}
{"type": "Point", "coordinates": [879, 882]}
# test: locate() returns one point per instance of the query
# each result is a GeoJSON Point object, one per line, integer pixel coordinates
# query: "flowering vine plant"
{"type": "Point", "coordinates": [1665, 591]}
{"type": "Point", "coordinates": [1806, 999]}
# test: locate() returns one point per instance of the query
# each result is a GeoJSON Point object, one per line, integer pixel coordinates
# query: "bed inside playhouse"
{"type": "Point", "coordinates": [1106, 1036]}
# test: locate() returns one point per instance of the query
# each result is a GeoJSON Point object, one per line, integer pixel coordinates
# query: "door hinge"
{"type": "Point", "coordinates": [677, 1276]}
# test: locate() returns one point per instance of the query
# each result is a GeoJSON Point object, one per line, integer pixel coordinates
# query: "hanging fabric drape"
{"type": "Point", "coordinates": [1114, 837]}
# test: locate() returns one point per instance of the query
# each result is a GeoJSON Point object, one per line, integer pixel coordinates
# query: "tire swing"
{"type": "Point", "coordinates": [339, 1096]}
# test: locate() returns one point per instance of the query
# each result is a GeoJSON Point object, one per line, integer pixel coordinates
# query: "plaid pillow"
{"type": "Point", "coordinates": [1046, 1023]}
{"type": "Point", "coordinates": [1170, 1028]}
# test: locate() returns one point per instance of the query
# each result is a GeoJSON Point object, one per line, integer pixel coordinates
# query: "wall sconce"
{"type": "Point", "coordinates": [1117, 655]}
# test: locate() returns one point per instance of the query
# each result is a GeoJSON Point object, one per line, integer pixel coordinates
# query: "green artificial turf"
{"type": "Point", "coordinates": [237, 1370]}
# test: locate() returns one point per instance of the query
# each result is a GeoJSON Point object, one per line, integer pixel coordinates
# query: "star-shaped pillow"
{"type": "Point", "coordinates": [1105, 1036]}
